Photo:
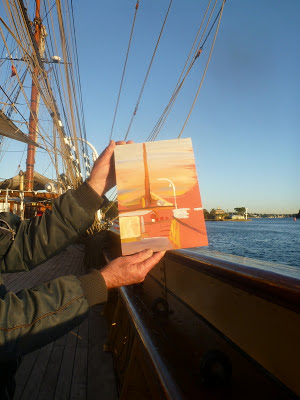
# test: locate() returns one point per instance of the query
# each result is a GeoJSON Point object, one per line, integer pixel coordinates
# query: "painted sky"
{"type": "Point", "coordinates": [167, 159]}
{"type": "Point", "coordinates": [245, 124]}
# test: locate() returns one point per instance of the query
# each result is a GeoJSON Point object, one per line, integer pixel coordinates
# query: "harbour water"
{"type": "Point", "coordinates": [268, 239]}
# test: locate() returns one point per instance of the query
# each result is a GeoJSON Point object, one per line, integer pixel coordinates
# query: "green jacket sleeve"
{"type": "Point", "coordinates": [35, 317]}
{"type": "Point", "coordinates": [40, 238]}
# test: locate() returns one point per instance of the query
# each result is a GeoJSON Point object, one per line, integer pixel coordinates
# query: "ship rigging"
{"type": "Point", "coordinates": [40, 57]}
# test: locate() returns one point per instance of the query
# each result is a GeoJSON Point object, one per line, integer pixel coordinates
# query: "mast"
{"type": "Point", "coordinates": [34, 107]}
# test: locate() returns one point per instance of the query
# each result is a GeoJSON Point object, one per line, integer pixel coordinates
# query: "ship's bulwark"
{"type": "Point", "coordinates": [201, 325]}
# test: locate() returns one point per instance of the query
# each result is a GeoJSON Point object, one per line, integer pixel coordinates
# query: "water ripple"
{"type": "Point", "coordinates": [276, 240]}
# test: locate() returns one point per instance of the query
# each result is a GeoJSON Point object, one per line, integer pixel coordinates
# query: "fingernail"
{"type": "Point", "coordinates": [149, 252]}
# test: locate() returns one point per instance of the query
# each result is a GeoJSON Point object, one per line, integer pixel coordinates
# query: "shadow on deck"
{"type": "Point", "coordinates": [74, 366]}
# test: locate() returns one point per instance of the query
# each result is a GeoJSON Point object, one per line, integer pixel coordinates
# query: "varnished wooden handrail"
{"type": "Point", "coordinates": [276, 283]}
{"type": "Point", "coordinates": [136, 311]}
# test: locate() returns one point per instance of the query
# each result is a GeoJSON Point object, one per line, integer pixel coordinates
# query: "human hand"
{"type": "Point", "coordinates": [132, 269]}
{"type": "Point", "coordinates": [103, 175]}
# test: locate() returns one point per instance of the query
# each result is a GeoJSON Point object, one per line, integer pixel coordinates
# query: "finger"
{"type": "Point", "coordinates": [120, 142]}
{"type": "Point", "coordinates": [130, 142]}
{"type": "Point", "coordinates": [140, 257]}
{"type": "Point", "coordinates": [152, 261]}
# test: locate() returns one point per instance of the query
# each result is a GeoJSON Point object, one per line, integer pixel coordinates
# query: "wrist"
{"type": "Point", "coordinates": [107, 279]}
{"type": "Point", "coordinates": [88, 198]}
{"type": "Point", "coordinates": [99, 189]}
{"type": "Point", "coordinates": [94, 287]}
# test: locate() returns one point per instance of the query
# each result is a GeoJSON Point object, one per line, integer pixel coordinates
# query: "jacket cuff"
{"type": "Point", "coordinates": [88, 199]}
{"type": "Point", "coordinates": [94, 287]}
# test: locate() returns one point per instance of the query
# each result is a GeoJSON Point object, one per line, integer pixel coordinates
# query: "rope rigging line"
{"type": "Point", "coordinates": [27, 101]}
{"type": "Point", "coordinates": [18, 168]}
{"type": "Point", "coordinates": [60, 84]}
{"type": "Point", "coordinates": [48, 11]}
{"type": "Point", "coordinates": [209, 57]}
{"type": "Point", "coordinates": [148, 71]}
{"type": "Point", "coordinates": [51, 103]}
{"type": "Point", "coordinates": [56, 77]}
{"type": "Point", "coordinates": [36, 81]}
{"type": "Point", "coordinates": [124, 69]}
{"type": "Point", "coordinates": [4, 47]}
{"type": "Point", "coordinates": [70, 81]}
{"type": "Point", "coordinates": [20, 83]}
{"type": "Point", "coordinates": [155, 131]}
{"type": "Point", "coordinates": [39, 77]}
{"type": "Point", "coordinates": [43, 138]}
{"type": "Point", "coordinates": [79, 79]}
{"type": "Point", "coordinates": [12, 106]}
{"type": "Point", "coordinates": [67, 75]}
{"type": "Point", "coordinates": [75, 80]}
{"type": "Point", "coordinates": [26, 122]}
{"type": "Point", "coordinates": [13, 35]}
{"type": "Point", "coordinates": [213, 24]}
{"type": "Point", "coordinates": [73, 89]}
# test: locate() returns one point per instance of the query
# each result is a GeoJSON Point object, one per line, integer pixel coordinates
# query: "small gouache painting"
{"type": "Point", "coordinates": [158, 196]}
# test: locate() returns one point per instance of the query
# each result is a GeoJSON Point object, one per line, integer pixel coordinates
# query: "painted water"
{"type": "Point", "coordinates": [269, 239]}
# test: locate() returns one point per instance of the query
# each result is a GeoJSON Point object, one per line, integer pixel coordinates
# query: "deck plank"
{"type": "Point", "coordinates": [63, 387]}
{"type": "Point", "coordinates": [24, 372]}
{"type": "Point", "coordinates": [100, 363]}
{"type": "Point", "coordinates": [48, 386]}
{"type": "Point", "coordinates": [74, 366]}
{"type": "Point", "coordinates": [32, 387]}
{"type": "Point", "coordinates": [79, 379]}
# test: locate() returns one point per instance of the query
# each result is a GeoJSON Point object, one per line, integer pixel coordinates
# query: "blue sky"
{"type": "Point", "coordinates": [244, 126]}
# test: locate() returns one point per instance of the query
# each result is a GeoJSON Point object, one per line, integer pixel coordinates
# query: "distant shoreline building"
{"type": "Point", "coordinates": [238, 217]}
{"type": "Point", "coordinates": [219, 213]}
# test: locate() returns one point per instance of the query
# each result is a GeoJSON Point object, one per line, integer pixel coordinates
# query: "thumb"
{"type": "Point", "coordinates": [110, 148]}
{"type": "Point", "coordinates": [108, 151]}
{"type": "Point", "coordinates": [140, 257]}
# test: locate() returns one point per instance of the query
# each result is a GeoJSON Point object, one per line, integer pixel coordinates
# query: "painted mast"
{"type": "Point", "coordinates": [34, 107]}
{"type": "Point", "coordinates": [147, 181]}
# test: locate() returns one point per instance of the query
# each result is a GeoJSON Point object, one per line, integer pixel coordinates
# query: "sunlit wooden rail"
{"type": "Point", "coordinates": [207, 325]}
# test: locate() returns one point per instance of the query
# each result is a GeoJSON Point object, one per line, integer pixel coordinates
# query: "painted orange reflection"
{"type": "Point", "coordinates": [158, 196]}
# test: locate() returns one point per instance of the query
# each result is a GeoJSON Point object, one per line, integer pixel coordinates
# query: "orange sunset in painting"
{"type": "Point", "coordinates": [158, 196]}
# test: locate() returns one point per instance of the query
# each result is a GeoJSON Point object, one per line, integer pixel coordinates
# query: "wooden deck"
{"type": "Point", "coordinates": [74, 366]}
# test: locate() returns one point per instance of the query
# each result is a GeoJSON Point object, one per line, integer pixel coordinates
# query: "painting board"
{"type": "Point", "coordinates": [159, 200]}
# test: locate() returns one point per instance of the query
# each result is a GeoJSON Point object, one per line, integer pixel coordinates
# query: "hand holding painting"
{"type": "Point", "coordinates": [103, 175]}
{"type": "Point", "coordinates": [130, 269]}
{"type": "Point", "coordinates": [123, 270]}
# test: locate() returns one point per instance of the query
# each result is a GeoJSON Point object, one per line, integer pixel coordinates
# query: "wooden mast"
{"type": "Point", "coordinates": [34, 108]}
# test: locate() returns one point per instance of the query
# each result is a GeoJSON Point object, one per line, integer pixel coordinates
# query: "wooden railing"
{"type": "Point", "coordinates": [206, 324]}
